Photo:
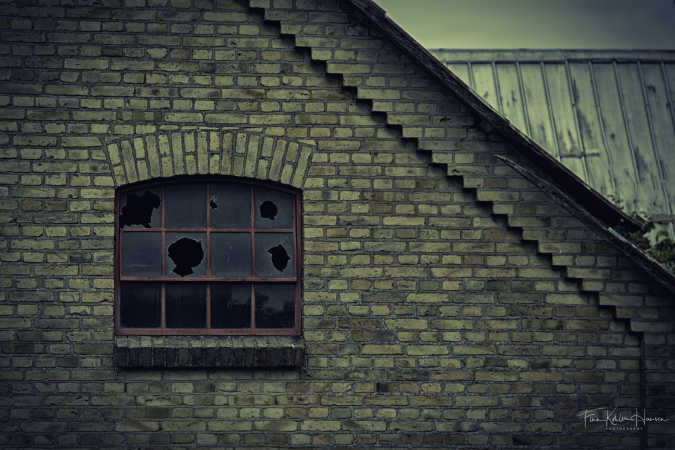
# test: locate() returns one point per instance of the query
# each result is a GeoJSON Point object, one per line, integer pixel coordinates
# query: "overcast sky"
{"type": "Point", "coordinates": [568, 24]}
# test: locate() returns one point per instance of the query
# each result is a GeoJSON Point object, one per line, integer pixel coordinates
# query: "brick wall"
{"type": "Point", "coordinates": [447, 301]}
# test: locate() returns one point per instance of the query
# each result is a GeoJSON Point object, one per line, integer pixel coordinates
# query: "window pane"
{"type": "Point", "coordinates": [230, 306]}
{"type": "Point", "coordinates": [186, 206]}
{"type": "Point", "coordinates": [274, 254]}
{"type": "Point", "coordinates": [185, 305]}
{"type": "Point", "coordinates": [230, 206]}
{"type": "Point", "coordinates": [141, 254]}
{"type": "Point", "coordinates": [141, 209]}
{"type": "Point", "coordinates": [185, 254]}
{"type": "Point", "coordinates": [275, 306]}
{"type": "Point", "coordinates": [231, 254]}
{"type": "Point", "coordinates": [273, 209]}
{"type": "Point", "coordinates": [140, 305]}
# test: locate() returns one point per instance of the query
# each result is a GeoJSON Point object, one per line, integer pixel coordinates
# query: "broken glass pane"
{"type": "Point", "coordinates": [274, 254]}
{"type": "Point", "coordinates": [230, 206]}
{"type": "Point", "coordinates": [186, 206]}
{"type": "Point", "coordinates": [275, 306]}
{"type": "Point", "coordinates": [185, 254]}
{"type": "Point", "coordinates": [230, 306]}
{"type": "Point", "coordinates": [140, 305]}
{"type": "Point", "coordinates": [231, 254]}
{"type": "Point", "coordinates": [273, 209]}
{"type": "Point", "coordinates": [185, 305]}
{"type": "Point", "coordinates": [141, 209]}
{"type": "Point", "coordinates": [141, 254]}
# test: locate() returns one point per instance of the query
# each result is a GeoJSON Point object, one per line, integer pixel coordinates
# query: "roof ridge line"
{"type": "Point", "coordinates": [553, 54]}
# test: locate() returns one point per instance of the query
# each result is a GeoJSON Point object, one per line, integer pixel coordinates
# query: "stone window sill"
{"type": "Point", "coordinates": [187, 352]}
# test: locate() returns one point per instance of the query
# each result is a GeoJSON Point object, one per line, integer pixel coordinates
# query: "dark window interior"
{"type": "Point", "coordinates": [140, 304]}
{"type": "Point", "coordinates": [231, 306]}
{"type": "Point", "coordinates": [203, 256]}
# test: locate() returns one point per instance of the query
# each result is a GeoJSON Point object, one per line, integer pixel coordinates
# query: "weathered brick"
{"type": "Point", "coordinates": [77, 141]}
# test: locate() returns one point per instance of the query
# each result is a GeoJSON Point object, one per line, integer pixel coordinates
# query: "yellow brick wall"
{"type": "Point", "coordinates": [447, 301]}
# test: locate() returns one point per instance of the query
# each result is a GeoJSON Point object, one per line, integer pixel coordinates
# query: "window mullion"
{"type": "Point", "coordinates": [118, 263]}
{"type": "Point", "coordinates": [295, 222]}
{"type": "Point", "coordinates": [163, 288]}
{"type": "Point", "coordinates": [253, 272]}
{"type": "Point", "coordinates": [252, 305]}
{"type": "Point", "coordinates": [252, 231]}
{"type": "Point", "coordinates": [208, 254]}
{"type": "Point", "coordinates": [208, 230]}
{"type": "Point", "coordinates": [163, 230]}
{"type": "Point", "coordinates": [208, 305]}
{"type": "Point", "coordinates": [163, 306]}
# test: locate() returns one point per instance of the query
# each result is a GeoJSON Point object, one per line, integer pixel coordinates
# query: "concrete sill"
{"type": "Point", "coordinates": [187, 352]}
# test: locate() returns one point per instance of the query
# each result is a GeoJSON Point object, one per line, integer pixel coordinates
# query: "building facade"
{"type": "Point", "coordinates": [446, 283]}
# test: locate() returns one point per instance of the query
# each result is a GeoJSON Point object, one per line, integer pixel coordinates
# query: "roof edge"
{"type": "Point", "coordinates": [582, 193]}
{"type": "Point", "coordinates": [639, 257]}
{"type": "Point", "coordinates": [587, 203]}
{"type": "Point", "coordinates": [450, 55]}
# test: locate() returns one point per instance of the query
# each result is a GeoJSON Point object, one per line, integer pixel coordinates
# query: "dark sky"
{"type": "Point", "coordinates": [562, 24]}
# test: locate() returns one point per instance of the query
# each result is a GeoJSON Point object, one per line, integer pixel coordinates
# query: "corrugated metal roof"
{"type": "Point", "coordinates": [607, 115]}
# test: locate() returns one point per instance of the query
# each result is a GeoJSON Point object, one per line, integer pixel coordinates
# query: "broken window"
{"type": "Point", "coordinates": [207, 256]}
{"type": "Point", "coordinates": [186, 254]}
{"type": "Point", "coordinates": [274, 253]}
{"type": "Point", "coordinates": [141, 208]}
{"type": "Point", "coordinates": [273, 209]}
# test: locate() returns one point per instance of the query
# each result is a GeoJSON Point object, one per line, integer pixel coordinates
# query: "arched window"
{"type": "Point", "coordinates": [210, 256]}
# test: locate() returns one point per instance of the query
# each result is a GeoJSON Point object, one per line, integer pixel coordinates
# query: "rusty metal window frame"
{"type": "Point", "coordinates": [208, 279]}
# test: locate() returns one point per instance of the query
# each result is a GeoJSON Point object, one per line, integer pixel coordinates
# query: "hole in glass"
{"type": "Point", "coordinates": [279, 257]}
{"type": "Point", "coordinates": [268, 210]}
{"type": "Point", "coordinates": [273, 209]}
{"type": "Point", "coordinates": [186, 253]}
{"type": "Point", "coordinates": [140, 210]}
{"type": "Point", "coordinates": [273, 254]}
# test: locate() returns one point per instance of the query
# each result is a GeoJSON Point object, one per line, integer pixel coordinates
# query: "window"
{"type": "Point", "coordinates": [207, 256]}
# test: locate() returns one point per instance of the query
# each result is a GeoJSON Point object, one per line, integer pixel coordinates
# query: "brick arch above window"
{"type": "Point", "coordinates": [239, 153]}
